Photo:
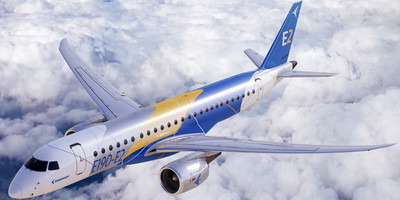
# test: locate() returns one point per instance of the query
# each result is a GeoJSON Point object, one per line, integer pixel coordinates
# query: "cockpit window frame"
{"type": "Point", "coordinates": [35, 164]}
{"type": "Point", "coordinates": [53, 165]}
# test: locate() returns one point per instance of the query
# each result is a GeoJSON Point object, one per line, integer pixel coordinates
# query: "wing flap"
{"type": "Point", "coordinates": [301, 74]}
{"type": "Point", "coordinates": [209, 143]}
{"type": "Point", "coordinates": [110, 101]}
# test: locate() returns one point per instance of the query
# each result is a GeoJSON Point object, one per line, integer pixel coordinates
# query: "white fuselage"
{"type": "Point", "coordinates": [106, 145]}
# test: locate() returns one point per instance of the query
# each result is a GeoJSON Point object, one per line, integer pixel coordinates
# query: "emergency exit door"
{"type": "Point", "coordinates": [80, 157]}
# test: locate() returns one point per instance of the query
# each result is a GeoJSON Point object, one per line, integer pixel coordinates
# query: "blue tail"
{"type": "Point", "coordinates": [279, 51]}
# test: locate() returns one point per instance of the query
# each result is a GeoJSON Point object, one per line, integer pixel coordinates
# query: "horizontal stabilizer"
{"type": "Point", "coordinates": [296, 74]}
{"type": "Point", "coordinates": [225, 144]}
{"type": "Point", "coordinates": [256, 58]}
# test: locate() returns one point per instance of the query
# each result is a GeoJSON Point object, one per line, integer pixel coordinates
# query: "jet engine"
{"type": "Point", "coordinates": [186, 173]}
{"type": "Point", "coordinates": [86, 124]}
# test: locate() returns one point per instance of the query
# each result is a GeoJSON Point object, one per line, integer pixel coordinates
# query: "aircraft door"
{"type": "Point", "coordinates": [259, 88]}
{"type": "Point", "coordinates": [80, 157]}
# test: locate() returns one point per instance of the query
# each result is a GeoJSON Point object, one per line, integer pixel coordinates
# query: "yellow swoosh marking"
{"type": "Point", "coordinates": [166, 111]}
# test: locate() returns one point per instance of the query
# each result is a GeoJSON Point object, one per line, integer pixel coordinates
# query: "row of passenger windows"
{"type": "Point", "coordinates": [162, 127]}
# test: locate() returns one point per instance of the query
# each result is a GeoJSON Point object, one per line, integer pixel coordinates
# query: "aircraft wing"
{"type": "Point", "coordinates": [297, 74]}
{"type": "Point", "coordinates": [110, 101]}
{"type": "Point", "coordinates": [256, 58]}
{"type": "Point", "coordinates": [209, 143]}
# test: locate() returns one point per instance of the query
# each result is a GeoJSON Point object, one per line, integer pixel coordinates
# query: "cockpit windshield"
{"type": "Point", "coordinates": [36, 165]}
{"type": "Point", "coordinates": [39, 165]}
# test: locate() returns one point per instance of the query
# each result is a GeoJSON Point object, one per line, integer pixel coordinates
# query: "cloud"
{"type": "Point", "coordinates": [20, 138]}
{"type": "Point", "coordinates": [154, 50]}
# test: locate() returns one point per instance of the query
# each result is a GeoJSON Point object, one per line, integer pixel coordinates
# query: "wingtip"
{"type": "Point", "coordinates": [331, 74]}
{"type": "Point", "coordinates": [391, 144]}
{"type": "Point", "coordinates": [64, 40]}
{"type": "Point", "coordinates": [382, 146]}
{"type": "Point", "coordinates": [63, 44]}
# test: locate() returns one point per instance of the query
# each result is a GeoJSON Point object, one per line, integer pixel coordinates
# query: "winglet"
{"type": "Point", "coordinates": [63, 43]}
{"type": "Point", "coordinates": [279, 51]}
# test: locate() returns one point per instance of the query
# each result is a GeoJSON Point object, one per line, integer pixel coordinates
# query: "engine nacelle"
{"type": "Point", "coordinates": [86, 124]}
{"type": "Point", "coordinates": [179, 177]}
{"type": "Point", "coordinates": [186, 173]}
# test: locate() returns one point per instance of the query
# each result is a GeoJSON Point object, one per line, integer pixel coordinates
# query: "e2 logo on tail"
{"type": "Point", "coordinates": [286, 40]}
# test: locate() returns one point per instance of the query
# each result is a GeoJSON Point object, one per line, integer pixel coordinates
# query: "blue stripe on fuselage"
{"type": "Point", "coordinates": [208, 119]}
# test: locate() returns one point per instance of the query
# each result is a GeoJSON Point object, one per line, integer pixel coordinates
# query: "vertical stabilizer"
{"type": "Point", "coordinates": [279, 51]}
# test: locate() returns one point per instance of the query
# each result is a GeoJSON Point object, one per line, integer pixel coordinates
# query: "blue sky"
{"type": "Point", "coordinates": [153, 50]}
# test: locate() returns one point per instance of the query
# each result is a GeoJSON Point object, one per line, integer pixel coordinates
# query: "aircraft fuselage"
{"type": "Point", "coordinates": [125, 140]}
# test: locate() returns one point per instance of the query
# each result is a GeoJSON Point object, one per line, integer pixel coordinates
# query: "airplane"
{"type": "Point", "coordinates": [128, 133]}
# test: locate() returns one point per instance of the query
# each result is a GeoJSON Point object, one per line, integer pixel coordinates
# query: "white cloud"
{"type": "Point", "coordinates": [154, 50]}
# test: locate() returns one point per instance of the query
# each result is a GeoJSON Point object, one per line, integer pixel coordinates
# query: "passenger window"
{"type": "Point", "coordinates": [119, 144]}
{"type": "Point", "coordinates": [103, 150]}
{"type": "Point", "coordinates": [211, 107]}
{"type": "Point", "coordinates": [175, 122]}
{"type": "Point", "coordinates": [182, 119]}
{"type": "Point", "coordinates": [227, 102]}
{"type": "Point", "coordinates": [141, 135]}
{"type": "Point", "coordinates": [195, 114]}
{"type": "Point", "coordinates": [232, 99]}
{"type": "Point", "coordinates": [206, 109]}
{"type": "Point", "coordinates": [132, 139]}
{"type": "Point", "coordinates": [162, 127]}
{"type": "Point", "coordinates": [169, 124]}
{"type": "Point", "coordinates": [221, 104]}
{"type": "Point", "coordinates": [125, 141]}
{"type": "Point", "coordinates": [253, 91]}
{"type": "Point", "coordinates": [248, 93]}
{"type": "Point", "coordinates": [237, 98]}
{"type": "Point", "coordinates": [95, 153]}
{"type": "Point", "coordinates": [201, 112]}
{"type": "Point", "coordinates": [189, 116]}
{"type": "Point", "coordinates": [243, 95]}
{"type": "Point", "coordinates": [155, 131]}
{"type": "Point", "coordinates": [110, 147]}
{"type": "Point", "coordinates": [53, 165]}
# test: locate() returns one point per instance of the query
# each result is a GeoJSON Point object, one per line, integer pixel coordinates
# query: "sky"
{"type": "Point", "coordinates": [154, 50]}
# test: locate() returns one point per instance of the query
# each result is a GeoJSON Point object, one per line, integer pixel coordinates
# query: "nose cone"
{"type": "Point", "coordinates": [15, 191]}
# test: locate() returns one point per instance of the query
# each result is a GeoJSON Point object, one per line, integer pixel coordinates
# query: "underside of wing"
{"type": "Point", "coordinates": [110, 101]}
{"type": "Point", "coordinates": [300, 74]}
{"type": "Point", "coordinates": [224, 144]}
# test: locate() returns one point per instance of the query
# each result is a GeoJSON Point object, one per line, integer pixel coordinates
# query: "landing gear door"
{"type": "Point", "coordinates": [80, 157]}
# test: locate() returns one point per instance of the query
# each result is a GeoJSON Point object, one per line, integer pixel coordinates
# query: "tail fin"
{"type": "Point", "coordinates": [279, 51]}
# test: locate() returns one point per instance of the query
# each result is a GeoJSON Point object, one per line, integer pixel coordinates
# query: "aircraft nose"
{"type": "Point", "coordinates": [15, 191]}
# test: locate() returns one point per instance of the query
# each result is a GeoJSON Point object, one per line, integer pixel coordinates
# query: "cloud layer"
{"type": "Point", "coordinates": [154, 50]}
